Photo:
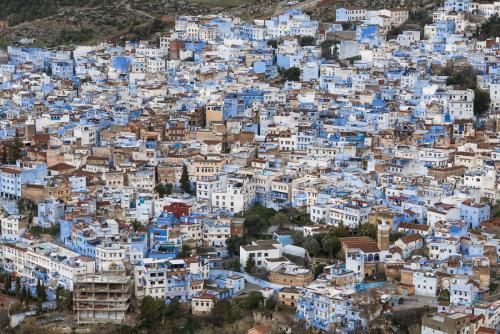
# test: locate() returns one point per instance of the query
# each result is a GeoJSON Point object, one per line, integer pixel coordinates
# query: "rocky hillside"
{"type": "Point", "coordinates": [65, 22]}
{"type": "Point", "coordinates": [69, 22]}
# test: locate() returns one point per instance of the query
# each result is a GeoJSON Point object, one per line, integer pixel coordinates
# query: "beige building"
{"type": "Point", "coordinates": [202, 304]}
{"type": "Point", "coordinates": [288, 296]}
{"type": "Point", "coordinates": [446, 323]}
{"type": "Point", "coordinates": [207, 166]}
{"type": "Point", "coordinates": [38, 193]}
{"type": "Point", "coordinates": [290, 274]}
{"type": "Point", "coordinates": [214, 112]}
{"type": "Point", "coordinates": [114, 179]}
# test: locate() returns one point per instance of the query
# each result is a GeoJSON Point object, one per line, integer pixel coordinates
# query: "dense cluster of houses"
{"type": "Point", "coordinates": [110, 138]}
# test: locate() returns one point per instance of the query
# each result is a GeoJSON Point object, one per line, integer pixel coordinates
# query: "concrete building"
{"type": "Point", "coordinates": [443, 323]}
{"type": "Point", "coordinates": [102, 297]}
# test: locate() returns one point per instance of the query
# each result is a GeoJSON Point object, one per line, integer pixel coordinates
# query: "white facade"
{"type": "Point", "coordinates": [259, 251]}
{"type": "Point", "coordinates": [237, 196]}
{"type": "Point", "coordinates": [426, 283]}
{"type": "Point", "coordinates": [460, 104]}
{"type": "Point", "coordinates": [12, 227]}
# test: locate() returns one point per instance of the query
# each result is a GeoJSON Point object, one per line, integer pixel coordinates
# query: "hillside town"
{"type": "Point", "coordinates": [281, 175]}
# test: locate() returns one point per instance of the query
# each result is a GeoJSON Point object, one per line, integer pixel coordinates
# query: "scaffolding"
{"type": "Point", "coordinates": [102, 297]}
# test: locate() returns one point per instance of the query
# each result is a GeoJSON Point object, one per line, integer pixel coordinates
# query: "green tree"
{"type": "Point", "coordinates": [340, 232]}
{"type": "Point", "coordinates": [18, 287]}
{"type": "Point", "coordinates": [307, 41]}
{"type": "Point", "coordinates": [318, 269]}
{"type": "Point", "coordinates": [252, 301]}
{"type": "Point", "coordinates": [298, 238]}
{"type": "Point", "coordinates": [460, 76]}
{"type": "Point", "coordinates": [481, 102]}
{"type": "Point", "coordinates": [394, 32]}
{"type": "Point", "coordinates": [37, 231]}
{"type": "Point", "coordinates": [191, 326]}
{"type": "Point", "coordinates": [8, 282]}
{"type": "Point", "coordinates": [326, 49]}
{"type": "Point", "coordinates": [58, 298]}
{"type": "Point", "coordinates": [233, 244]}
{"type": "Point", "coordinates": [292, 74]}
{"type": "Point", "coordinates": [136, 226]}
{"type": "Point", "coordinates": [347, 25]}
{"type": "Point", "coordinates": [395, 236]}
{"type": "Point", "coordinates": [270, 304]}
{"type": "Point", "coordinates": [272, 43]}
{"type": "Point", "coordinates": [65, 299]}
{"type": "Point", "coordinates": [15, 151]}
{"type": "Point", "coordinates": [330, 244]}
{"type": "Point", "coordinates": [279, 219]}
{"type": "Point", "coordinates": [369, 230]}
{"type": "Point", "coordinates": [312, 246]}
{"type": "Point", "coordinates": [235, 264]}
{"type": "Point", "coordinates": [224, 312]}
{"type": "Point", "coordinates": [25, 206]}
{"type": "Point", "coordinates": [26, 296]}
{"type": "Point", "coordinates": [257, 220]}
{"type": "Point", "coordinates": [184, 181]}
{"type": "Point", "coordinates": [489, 29]}
{"type": "Point", "coordinates": [169, 189]}
{"type": "Point", "coordinates": [160, 189]}
{"type": "Point", "coordinates": [185, 250]}
{"type": "Point", "coordinates": [261, 211]}
{"type": "Point", "coordinates": [250, 265]}
{"type": "Point", "coordinates": [152, 312]}
{"type": "Point", "coordinates": [255, 225]}
{"type": "Point", "coordinates": [41, 293]}
{"type": "Point", "coordinates": [173, 309]}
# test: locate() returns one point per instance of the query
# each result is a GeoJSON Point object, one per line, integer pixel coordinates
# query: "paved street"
{"type": "Point", "coordinates": [413, 302]}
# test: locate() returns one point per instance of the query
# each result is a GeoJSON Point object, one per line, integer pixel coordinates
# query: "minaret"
{"type": "Point", "coordinates": [29, 130]}
{"type": "Point", "coordinates": [383, 236]}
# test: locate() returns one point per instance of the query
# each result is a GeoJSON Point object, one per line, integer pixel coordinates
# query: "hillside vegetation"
{"type": "Point", "coordinates": [66, 22]}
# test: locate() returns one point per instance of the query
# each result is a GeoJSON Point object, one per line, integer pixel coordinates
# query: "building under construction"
{"type": "Point", "coordinates": [102, 297]}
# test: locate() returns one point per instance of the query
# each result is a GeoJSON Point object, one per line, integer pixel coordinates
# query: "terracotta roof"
{"type": "Point", "coordinates": [494, 222]}
{"type": "Point", "coordinates": [61, 166]}
{"type": "Point", "coordinates": [411, 238]}
{"type": "Point", "coordinates": [205, 295]}
{"type": "Point", "coordinates": [366, 244]}
{"type": "Point", "coordinates": [80, 173]}
{"type": "Point", "coordinates": [42, 138]}
{"type": "Point", "coordinates": [212, 142]}
{"type": "Point", "coordinates": [8, 244]}
{"type": "Point", "coordinates": [485, 330]}
{"type": "Point", "coordinates": [10, 170]}
{"type": "Point", "coordinates": [395, 249]}
{"type": "Point", "coordinates": [413, 226]}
